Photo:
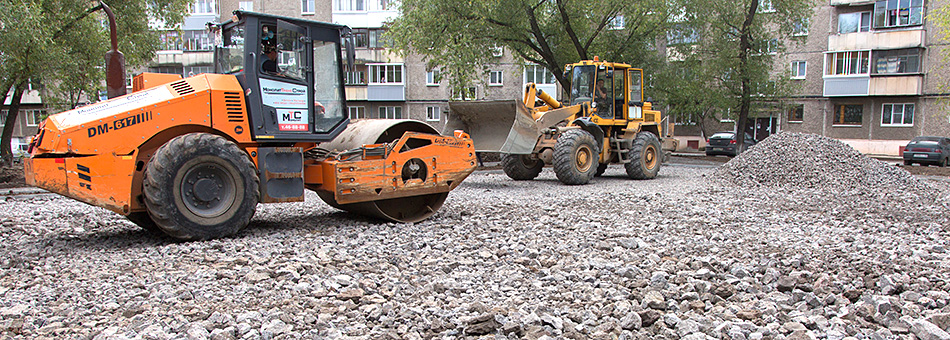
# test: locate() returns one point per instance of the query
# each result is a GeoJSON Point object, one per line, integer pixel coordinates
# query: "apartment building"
{"type": "Point", "coordinates": [872, 74]}
{"type": "Point", "coordinates": [31, 113]}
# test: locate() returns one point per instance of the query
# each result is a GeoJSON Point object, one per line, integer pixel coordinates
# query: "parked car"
{"type": "Point", "coordinates": [724, 143]}
{"type": "Point", "coordinates": [925, 150]}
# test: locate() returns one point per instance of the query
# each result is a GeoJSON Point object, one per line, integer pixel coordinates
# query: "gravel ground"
{"type": "Point", "coordinates": [686, 255]}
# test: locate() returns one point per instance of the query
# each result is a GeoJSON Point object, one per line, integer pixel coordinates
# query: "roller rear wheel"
{"type": "Point", "coordinates": [200, 186]}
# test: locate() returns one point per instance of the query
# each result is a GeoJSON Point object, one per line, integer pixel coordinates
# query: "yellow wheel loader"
{"type": "Point", "coordinates": [193, 157]}
{"type": "Point", "coordinates": [604, 121]}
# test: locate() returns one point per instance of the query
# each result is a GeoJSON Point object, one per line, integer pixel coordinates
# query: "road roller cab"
{"type": "Point", "coordinates": [193, 157]}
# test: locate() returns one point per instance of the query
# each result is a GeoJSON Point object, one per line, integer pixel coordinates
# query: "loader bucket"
{"type": "Point", "coordinates": [495, 126]}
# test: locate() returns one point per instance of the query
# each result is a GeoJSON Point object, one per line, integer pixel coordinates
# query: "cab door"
{"type": "Point", "coordinates": [286, 95]}
{"type": "Point", "coordinates": [635, 94]}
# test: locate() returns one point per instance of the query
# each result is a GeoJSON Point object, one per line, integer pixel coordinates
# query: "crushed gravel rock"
{"type": "Point", "coordinates": [808, 161]}
{"type": "Point", "coordinates": [676, 257]}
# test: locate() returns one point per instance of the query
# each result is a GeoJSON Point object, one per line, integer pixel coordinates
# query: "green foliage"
{"type": "Point", "coordinates": [62, 43]}
{"type": "Point", "coordinates": [710, 74]}
{"type": "Point", "coordinates": [458, 36]}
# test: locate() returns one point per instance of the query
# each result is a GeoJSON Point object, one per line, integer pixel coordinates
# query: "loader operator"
{"type": "Point", "coordinates": [600, 97]}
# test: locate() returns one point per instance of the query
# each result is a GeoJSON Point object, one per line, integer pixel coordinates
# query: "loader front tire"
{"type": "Point", "coordinates": [200, 186]}
{"type": "Point", "coordinates": [575, 157]}
{"type": "Point", "coordinates": [645, 157]}
{"type": "Point", "coordinates": [521, 167]}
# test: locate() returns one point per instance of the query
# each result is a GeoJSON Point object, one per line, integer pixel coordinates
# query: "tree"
{"type": "Point", "coordinates": [62, 43]}
{"type": "Point", "coordinates": [459, 36]}
{"type": "Point", "coordinates": [725, 59]}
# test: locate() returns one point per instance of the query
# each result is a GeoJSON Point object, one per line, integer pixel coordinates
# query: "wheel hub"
{"type": "Point", "coordinates": [649, 157]}
{"type": "Point", "coordinates": [583, 159]}
{"type": "Point", "coordinates": [207, 190]}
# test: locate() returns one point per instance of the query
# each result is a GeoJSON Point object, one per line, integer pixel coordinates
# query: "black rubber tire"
{"type": "Point", "coordinates": [575, 157]}
{"type": "Point", "coordinates": [601, 168]}
{"type": "Point", "coordinates": [908, 163]}
{"type": "Point", "coordinates": [141, 219]}
{"type": "Point", "coordinates": [521, 167]}
{"type": "Point", "coordinates": [645, 157]}
{"type": "Point", "coordinates": [224, 172]}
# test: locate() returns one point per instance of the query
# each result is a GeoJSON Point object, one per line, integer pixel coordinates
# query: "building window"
{"type": "Point", "coordinates": [34, 117]}
{"type": "Point", "coordinates": [616, 23]}
{"type": "Point", "coordinates": [796, 113]}
{"type": "Point", "coordinates": [357, 112]}
{"type": "Point", "coordinates": [433, 77]}
{"type": "Point", "coordinates": [246, 5]}
{"type": "Point", "coordinates": [538, 75]}
{"type": "Point", "coordinates": [354, 5]}
{"type": "Point", "coordinates": [385, 73]}
{"type": "Point", "coordinates": [895, 13]}
{"type": "Point", "coordinates": [897, 115]}
{"type": "Point", "coordinates": [3, 117]}
{"type": "Point", "coordinates": [765, 6]}
{"type": "Point", "coordinates": [848, 63]}
{"type": "Point", "coordinates": [390, 112]}
{"type": "Point", "coordinates": [497, 51]}
{"type": "Point", "coordinates": [896, 61]}
{"type": "Point", "coordinates": [494, 78]}
{"type": "Point", "coordinates": [196, 41]}
{"type": "Point", "coordinates": [307, 7]}
{"type": "Point", "coordinates": [386, 4]}
{"type": "Point", "coordinates": [433, 113]}
{"type": "Point", "coordinates": [848, 114]}
{"type": "Point", "coordinates": [467, 93]}
{"type": "Point", "coordinates": [170, 40]}
{"type": "Point", "coordinates": [191, 71]}
{"type": "Point", "coordinates": [203, 7]}
{"type": "Point", "coordinates": [768, 47]}
{"type": "Point", "coordinates": [854, 22]}
{"type": "Point", "coordinates": [800, 28]}
{"type": "Point", "coordinates": [356, 78]}
{"type": "Point", "coordinates": [798, 69]}
{"type": "Point", "coordinates": [682, 34]}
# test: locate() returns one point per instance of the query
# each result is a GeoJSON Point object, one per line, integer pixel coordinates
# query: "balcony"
{"type": "Point", "coordinates": [911, 85]}
{"type": "Point", "coordinates": [370, 55]}
{"type": "Point", "coordinates": [851, 2]}
{"type": "Point", "coordinates": [878, 40]}
{"type": "Point", "coordinates": [386, 92]}
{"type": "Point", "coordinates": [864, 85]}
{"type": "Point", "coordinates": [188, 58]}
{"type": "Point", "coordinates": [357, 92]}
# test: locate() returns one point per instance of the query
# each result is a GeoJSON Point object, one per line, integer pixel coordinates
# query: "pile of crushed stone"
{"type": "Point", "coordinates": [808, 161]}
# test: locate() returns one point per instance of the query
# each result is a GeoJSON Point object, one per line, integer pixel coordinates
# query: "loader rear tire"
{"type": "Point", "coordinates": [200, 186]}
{"type": "Point", "coordinates": [645, 157]}
{"type": "Point", "coordinates": [521, 167]}
{"type": "Point", "coordinates": [575, 157]}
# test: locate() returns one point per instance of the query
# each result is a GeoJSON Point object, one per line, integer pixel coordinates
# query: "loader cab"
{"type": "Point", "coordinates": [614, 90]}
{"type": "Point", "coordinates": [298, 96]}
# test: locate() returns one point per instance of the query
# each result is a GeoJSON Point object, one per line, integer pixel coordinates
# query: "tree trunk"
{"type": "Point", "coordinates": [6, 155]}
{"type": "Point", "coordinates": [745, 49]}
